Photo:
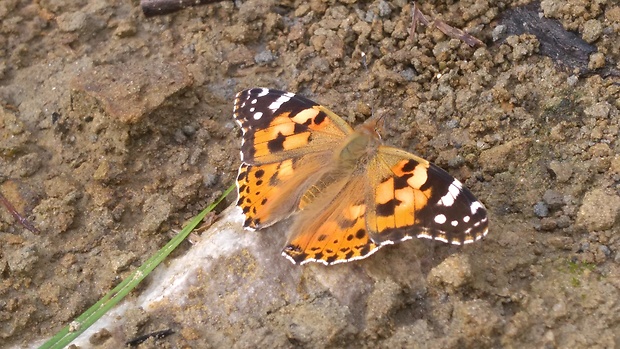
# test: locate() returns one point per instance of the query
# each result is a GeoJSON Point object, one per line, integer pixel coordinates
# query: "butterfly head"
{"type": "Point", "coordinates": [375, 125]}
{"type": "Point", "coordinates": [372, 127]}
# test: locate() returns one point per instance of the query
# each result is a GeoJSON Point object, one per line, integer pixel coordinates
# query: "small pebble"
{"type": "Point", "coordinates": [606, 251]}
{"type": "Point", "coordinates": [541, 209]}
{"type": "Point", "coordinates": [553, 199]}
{"type": "Point", "coordinates": [188, 130]}
{"type": "Point", "coordinates": [264, 57]}
{"type": "Point", "coordinates": [498, 32]}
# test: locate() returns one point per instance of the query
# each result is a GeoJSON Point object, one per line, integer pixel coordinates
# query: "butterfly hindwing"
{"type": "Point", "coordinates": [332, 228]}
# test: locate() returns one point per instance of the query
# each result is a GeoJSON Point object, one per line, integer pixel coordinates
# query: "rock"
{"type": "Point", "coordinates": [71, 21]}
{"type": "Point", "coordinates": [548, 224]}
{"type": "Point", "coordinates": [187, 186]}
{"type": "Point", "coordinates": [597, 61]}
{"type": "Point", "coordinates": [474, 320]}
{"type": "Point", "coordinates": [156, 210]}
{"type": "Point", "coordinates": [599, 110]}
{"type": "Point", "coordinates": [541, 209]}
{"type": "Point", "coordinates": [553, 199]}
{"type": "Point", "coordinates": [598, 211]}
{"type": "Point", "coordinates": [129, 92]}
{"type": "Point", "coordinates": [454, 271]}
{"type": "Point", "coordinates": [499, 158]}
{"type": "Point", "coordinates": [54, 216]}
{"type": "Point", "coordinates": [562, 170]}
{"type": "Point", "coordinates": [22, 260]}
{"type": "Point", "coordinates": [592, 30]}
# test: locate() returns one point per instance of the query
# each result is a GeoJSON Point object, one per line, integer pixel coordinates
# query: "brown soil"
{"type": "Point", "coordinates": [115, 129]}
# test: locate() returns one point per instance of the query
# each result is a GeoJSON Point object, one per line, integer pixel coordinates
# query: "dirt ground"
{"type": "Point", "coordinates": [115, 129]}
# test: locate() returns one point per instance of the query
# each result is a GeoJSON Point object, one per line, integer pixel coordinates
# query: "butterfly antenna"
{"type": "Point", "coordinates": [372, 98]}
{"type": "Point", "coordinates": [374, 121]}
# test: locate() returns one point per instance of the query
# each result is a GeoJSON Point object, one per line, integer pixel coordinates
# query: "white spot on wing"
{"type": "Point", "coordinates": [453, 192]}
{"type": "Point", "coordinates": [275, 105]}
{"type": "Point", "coordinates": [263, 92]}
{"type": "Point", "coordinates": [454, 223]}
{"type": "Point", "coordinates": [475, 206]}
{"type": "Point", "coordinates": [258, 115]}
{"type": "Point", "coordinates": [440, 219]}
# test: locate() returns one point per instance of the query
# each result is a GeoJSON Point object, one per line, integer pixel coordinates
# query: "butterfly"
{"type": "Point", "coordinates": [348, 193]}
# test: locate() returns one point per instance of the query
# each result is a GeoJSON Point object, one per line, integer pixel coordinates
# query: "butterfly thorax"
{"type": "Point", "coordinates": [359, 147]}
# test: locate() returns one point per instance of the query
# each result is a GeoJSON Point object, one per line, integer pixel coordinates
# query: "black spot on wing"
{"type": "Point", "coordinates": [331, 259]}
{"type": "Point", "coordinates": [321, 116]}
{"type": "Point", "coordinates": [242, 175]}
{"type": "Point", "coordinates": [388, 208]}
{"type": "Point", "coordinates": [365, 250]}
{"type": "Point", "coordinates": [410, 165]}
{"type": "Point", "coordinates": [360, 234]}
{"type": "Point", "coordinates": [276, 144]}
{"type": "Point", "coordinates": [401, 182]}
{"type": "Point", "coordinates": [300, 128]}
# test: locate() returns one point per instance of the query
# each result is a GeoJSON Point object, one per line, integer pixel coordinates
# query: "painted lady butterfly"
{"type": "Point", "coordinates": [350, 193]}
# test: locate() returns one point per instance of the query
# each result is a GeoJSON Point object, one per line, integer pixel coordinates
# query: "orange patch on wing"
{"type": "Point", "coordinates": [420, 175]}
{"type": "Point", "coordinates": [285, 170]}
{"type": "Point", "coordinates": [355, 211]}
{"type": "Point", "coordinates": [404, 213]}
{"type": "Point", "coordinates": [385, 191]}
{"type": "Point", "coordinates": [297, 140]}
{"type": "Point", "coordinates": [330, 243]}
{"type": "Point", "coordinates": [280, 124]}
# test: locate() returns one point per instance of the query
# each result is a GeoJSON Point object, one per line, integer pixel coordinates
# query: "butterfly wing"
{"type": "Point", "coordinates": [279, 125]}
{"type": "Point", "coordinates": [287, 140]}
{"type": "Point", "coordinates": [398, 197]}
{"type": "Point", "coordinates": [412, 197]}
{"type": "Point", "coordinates": [332, 228]}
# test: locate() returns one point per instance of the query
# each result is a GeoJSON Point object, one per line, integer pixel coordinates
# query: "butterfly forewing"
{"type": "Point", "coordinates": [280, 125]}
{"type": "Point", "coordinates": [413, 197]}
{"type": "Point", "coordinates": [287, 140]}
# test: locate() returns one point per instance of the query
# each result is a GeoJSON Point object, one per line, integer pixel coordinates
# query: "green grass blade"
{"type": "Point", "coordinates": [94, 313]}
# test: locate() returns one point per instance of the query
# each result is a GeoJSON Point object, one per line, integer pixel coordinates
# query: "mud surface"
{"type": "Point", "coordinates": [115, 129]}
